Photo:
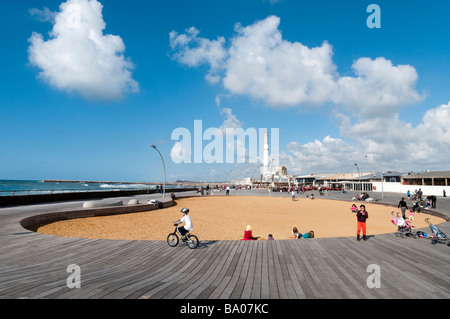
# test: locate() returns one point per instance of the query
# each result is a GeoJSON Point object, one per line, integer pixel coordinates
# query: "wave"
{"type": "Point", "coordinates": [138, 186]}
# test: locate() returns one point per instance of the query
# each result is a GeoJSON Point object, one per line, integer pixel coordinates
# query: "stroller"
{"type": "Point", "coordinates": [404, 227]}
{"type": "Point", "coordinates": [436, 234]}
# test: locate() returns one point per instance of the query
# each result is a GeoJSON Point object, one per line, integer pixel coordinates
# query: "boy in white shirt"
{"type": "Point", "coordinates": [186, 219]}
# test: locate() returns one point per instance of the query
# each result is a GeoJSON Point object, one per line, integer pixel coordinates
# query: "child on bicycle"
{"type": "Point", "coordinates": [186, 219]}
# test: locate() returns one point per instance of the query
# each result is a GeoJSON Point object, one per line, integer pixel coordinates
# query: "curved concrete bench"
{"type": "Point", "coordinates": [99, 203]}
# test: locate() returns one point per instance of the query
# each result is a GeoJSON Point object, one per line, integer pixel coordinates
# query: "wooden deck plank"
{"type": "Point", "coordinates": [235, 271]}
{"type": "Point", "coordinates": [248, 281]}
{"type": "Point", "coordinates": [265, 288]}
{"type": "Point", "coordinates": [257, 289]}
{"type": "Point", "coordinates": [273, 288]}
{"type": "Point", "coordinates": [305, 280]}
{"type": "Point", "coordinates": [213, 271]}
{"type": "Point", "coordinates": [210, 284]}
{"type": "Point", "coordinates": [245, 274]}
{"type": "Point", "coordinates": [293, 271]}
{"type": "Point", "coordinates": [279, 269]}
{"type": "Point", "coordinates": [34, 266]}
{"type": "Point", "coordinates": [290, 282]}
{"type": "Point", "coordinates": [211, 292]}
{"type": "Point", "coordinates": [211, 261]}
{"type": "Point", "coordinates": [306, 263]}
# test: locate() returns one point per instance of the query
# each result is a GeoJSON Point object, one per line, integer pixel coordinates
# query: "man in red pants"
{"type": "Point", "coordinates": [361, 216]}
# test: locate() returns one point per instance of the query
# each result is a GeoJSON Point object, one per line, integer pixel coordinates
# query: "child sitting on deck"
{"type": "Point", "coordinates": [248, 233]}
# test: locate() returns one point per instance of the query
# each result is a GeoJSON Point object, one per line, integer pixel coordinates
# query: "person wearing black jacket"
{"type": "Point", "coordinates": [402, 205]}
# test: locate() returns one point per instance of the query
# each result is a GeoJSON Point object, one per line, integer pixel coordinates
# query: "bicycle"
{"type": "Point", "coordinates": [190, 240]}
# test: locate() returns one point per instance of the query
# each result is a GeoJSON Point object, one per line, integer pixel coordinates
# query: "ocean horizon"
{"type": "Point", "coordinates": [36, 187]}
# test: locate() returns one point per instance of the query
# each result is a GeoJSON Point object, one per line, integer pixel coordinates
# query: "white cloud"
{"type": "Point", "coordinates": [44, 15]}
{"type": "Point", "coordinates": [194, 51]}
{"type": "Point", "coordinates": [326, 156]}
{"type": "Point", "coordinates": [78, 57]}
{"type": "Point", "coordinates": [392, 143]}
{"type": "Point", "coordinates": [231, 121]}
{"type": "Point", "coordinates": [260, 64]}
{"type": "Point", "coordinates": [378, 88]}
{"type": "Point", "coordinates": [264, 66]}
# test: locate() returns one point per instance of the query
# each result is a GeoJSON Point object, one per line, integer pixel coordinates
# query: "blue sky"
{"type": "Point", "coordinates": [87, 105]}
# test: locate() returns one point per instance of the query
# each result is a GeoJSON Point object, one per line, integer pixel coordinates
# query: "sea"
{"type": "Point", "coordinates": [23, 187]}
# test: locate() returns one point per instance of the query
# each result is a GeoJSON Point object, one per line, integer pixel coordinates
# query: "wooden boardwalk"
{"type": "Point", "coordinates": [35, 266]}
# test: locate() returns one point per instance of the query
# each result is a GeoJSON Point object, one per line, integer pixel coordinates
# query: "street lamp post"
{"type": "Point", "coordinates": [359, 174]}
{"type": "Point", "coordinates": [381, 175]}
{"type": "Point", "coordinates": [211, 172]}
{"type": "Point", "coordinates": [164, 166]}
{"type": "Point", "coordinates": [255, 171]}
{"type": "Point", "coordinates": [227, 175]}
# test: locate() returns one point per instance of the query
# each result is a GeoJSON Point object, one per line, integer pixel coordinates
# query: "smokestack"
{"type": "Point", "coordinates": [266, 154]}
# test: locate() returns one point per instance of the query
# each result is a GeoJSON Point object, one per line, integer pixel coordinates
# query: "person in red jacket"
{"type": "Point", "coordinates": [248, 233]}
{"type": "Point", "coordinates": [361, 217]}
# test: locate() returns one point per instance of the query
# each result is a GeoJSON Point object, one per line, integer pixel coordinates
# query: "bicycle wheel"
{"type": "Point", "coordinates": [192, 241]}
{"type": "Point", "coordinates": [172, 240]}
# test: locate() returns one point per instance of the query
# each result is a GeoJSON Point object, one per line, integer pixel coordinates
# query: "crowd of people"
{"type": "Point", "coordinates": [420, 201]}
{"type": "Point", "coordinates": [361, 196]}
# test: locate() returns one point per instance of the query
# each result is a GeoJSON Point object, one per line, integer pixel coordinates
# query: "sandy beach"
{"type": "Point", "coordinates": [226, 217]}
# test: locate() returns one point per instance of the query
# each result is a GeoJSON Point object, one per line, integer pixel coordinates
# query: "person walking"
{"type": "Point", "coordinates": [293, 196]}
{"type": "Point", "coordinates": [361, 217]}
{"type": "Point", "coordinates": [402, 205]}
